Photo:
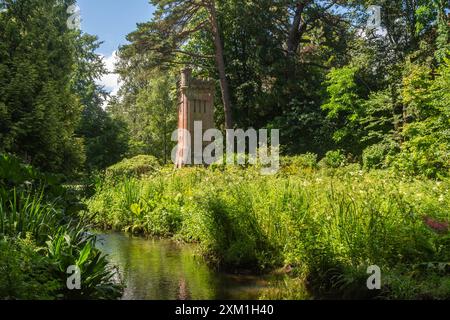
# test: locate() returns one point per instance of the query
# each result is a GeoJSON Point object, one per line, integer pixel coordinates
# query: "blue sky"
{"type": "Point", "coordinates": [111, 21]}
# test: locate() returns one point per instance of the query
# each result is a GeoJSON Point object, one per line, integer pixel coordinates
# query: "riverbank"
{"type": "Point", "coordinates": [163, 269]}
{"type": "Point", "coordinates": [42, 241]}
{"type": "Point", "coordinates": [325, 226]}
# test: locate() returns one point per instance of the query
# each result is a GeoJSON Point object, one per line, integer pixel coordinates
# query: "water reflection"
{"type": "Point", "coordinates": [164, 270]}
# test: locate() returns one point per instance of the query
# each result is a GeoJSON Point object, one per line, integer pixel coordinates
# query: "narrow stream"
{"type": "Point", "coordinates": [165, 270]}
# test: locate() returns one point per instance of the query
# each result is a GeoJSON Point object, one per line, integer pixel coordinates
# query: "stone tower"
{"type": "Point", "coordinates": [196, 104]}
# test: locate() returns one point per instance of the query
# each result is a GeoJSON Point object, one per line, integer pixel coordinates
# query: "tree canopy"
{"type": "Point", "coordinates": [309, 68]}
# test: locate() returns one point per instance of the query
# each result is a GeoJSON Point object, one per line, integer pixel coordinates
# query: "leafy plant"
{"type": "Point", "coordinates": [134, 167]}
{"type": "Point", "coordinates": [334, 159]}
{"type": "Point", "coordinates": [328, 228]}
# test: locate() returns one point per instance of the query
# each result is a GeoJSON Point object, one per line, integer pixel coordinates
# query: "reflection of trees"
{"type": "Point", "coordinates": [159, 269]}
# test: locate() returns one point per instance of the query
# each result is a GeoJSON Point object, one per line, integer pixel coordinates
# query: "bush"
{"type": "Point", "coordinates": [292, 164]}
{"type": "Point", "coordinates": [426, 155]}
{"type": "Point", "coordinates": [134, 167]}
{"type": "Point", "coordinates": [24, 273]}
{"type": "Point", "coordinates": [230, 235]}
{"type": "Point", "coordinates": [39, 240]}
{"type": "Point", "coordinates": [334, 159]}
{"type": "Point", "coordinates": [374, 156]}
{"type": "Point", "coordinates": [19, 177]}
{"type": "Point", "coordinates": [137, 207]}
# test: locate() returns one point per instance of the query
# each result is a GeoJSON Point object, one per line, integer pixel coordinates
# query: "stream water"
{"type": "Point", "coordinates": [165, 270]}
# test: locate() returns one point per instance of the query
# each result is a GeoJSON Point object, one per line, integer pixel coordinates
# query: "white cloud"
{"type": "Point", "coordinates": [111, 80]}
{"type": "Point", "coordinates": [365, 33]}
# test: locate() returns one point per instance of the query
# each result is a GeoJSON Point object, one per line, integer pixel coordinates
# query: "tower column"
{"type": "Point", "coordinates": [196, 104]}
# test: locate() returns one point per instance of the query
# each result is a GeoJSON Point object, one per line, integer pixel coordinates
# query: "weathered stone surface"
{"type": "Point", "coordinates": [196, 104]}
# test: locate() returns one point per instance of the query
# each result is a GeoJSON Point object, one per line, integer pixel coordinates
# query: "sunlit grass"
{"type": "Point", "coordinates": [328, 225]}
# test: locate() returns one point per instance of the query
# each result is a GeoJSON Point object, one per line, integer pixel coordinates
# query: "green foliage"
{"type": "Point", "coordinates": [16, 177]}
{"type": "Point", "coordinates": [106, 141]}
{"type": "Point", "coordinates": [425, 153]}
{"type": "Point", "coordinates": [374, 156]}
{"type": "Point", "coordinates": [231, 235]}
{"type": "Point", "coordinates": [14, 173]}
{"type": "Point", "coordinates": [299, 68]}
{"type": "Point", "coordinates": [297, 163]}
{"type": "Point", "coordinates": [289, 289]}
{"type": "Point", "coordinates": [71, 245]}
{"type": "Point", "coordinates": [24, 272]}
{"type": "Point", "coordinates": [324, 84]}
{"type": "Point", "coordinates": [134, 167]}
{"type": "Point", "coordinates": [327, 227]}
{"type": "Point", "coordinates": [157, 106]}
{"type": "Point", "coordinates": [39, 111]}
{"type": "Point", "coordinates": [39, 240]}
{"type": "Point", "coordinates": [379, 120]}
{"type": "Point", "coordinates": [341, 88]}
{"type": "Point", "coordinates": [27, 215]}
{"type": "Point", "coordinates": [105, 137]}
{"type": "Point", "coordinates": [268, 85]}
{"type": "Point", "coordinates": [334, 159]}
{"type": "Point", "coordinates": [344, 106]}
{"type": "Point", "coordinates": [382, 98]}
{"type": "Point", "coordinates": [426, 149]}
{"type": "Point", "coordinates": [153, 119]}
{"type": "Point", "coordinates": [443, 30]}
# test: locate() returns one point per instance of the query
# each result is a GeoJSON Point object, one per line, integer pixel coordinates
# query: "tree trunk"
{"type": "Point", "coordinates": [220, 62]}
{"type": "Point", "coordinates": [296, 31]}
{"type": "Point", "coordinates": [297, 28]}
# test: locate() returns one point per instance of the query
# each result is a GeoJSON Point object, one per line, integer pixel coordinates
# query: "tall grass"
{"type": "Point", "coordinates": [18, 217]}
{"type": "Point", "coordinates": [327, 225]}
{"type": "Point", "coordinates": [39, 234]}
{"type": "Point", "coordinates": [39, 240]}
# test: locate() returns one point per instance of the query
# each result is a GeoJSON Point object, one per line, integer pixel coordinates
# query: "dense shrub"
{"type": "Point", "coordinates": [374, 156]}
{"type": "Point", "coordinates": [134, 167]}
{"type": "Point", "coordinates": [230, 235]}
{"type": "Point", "coordinates": [333, 159]}
{"type": "Point", "coordinates": [427, 153]}
{"type": "Point", "coordinates": [39, 240]}
{"type": "Point", "coordinates": [295, 163]}
{"type": "Point", "coordinates": [24, 273]}
{"type": "Point", "coordinates": [426, 137]}
{"type": "Point", "coordinates": [16, 175]}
